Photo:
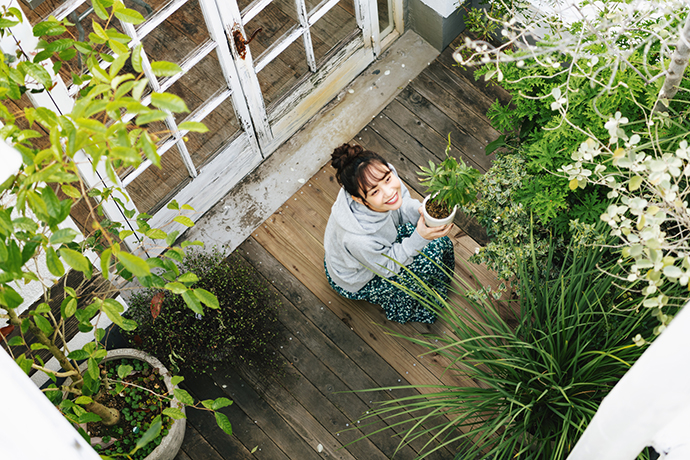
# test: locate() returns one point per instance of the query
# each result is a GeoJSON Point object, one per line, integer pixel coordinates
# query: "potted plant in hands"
{"type": "Point", "coordinates": [449, 185]}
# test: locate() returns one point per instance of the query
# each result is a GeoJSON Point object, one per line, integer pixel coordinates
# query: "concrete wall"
{"type": "Point", "coordinates": [436, 21]}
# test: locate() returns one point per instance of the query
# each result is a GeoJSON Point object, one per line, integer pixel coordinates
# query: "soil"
{"type": "Point", "coordinates": [147, 378]}
{"type": "Point", "coordinates": [437, 210]}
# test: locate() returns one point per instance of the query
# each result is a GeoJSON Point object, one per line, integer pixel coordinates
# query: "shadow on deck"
{"type": "Point", "coordinates": [332, 345]}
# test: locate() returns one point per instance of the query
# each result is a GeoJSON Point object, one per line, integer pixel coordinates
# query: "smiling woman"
{"type": "Point", "coordinates": [374, 230]}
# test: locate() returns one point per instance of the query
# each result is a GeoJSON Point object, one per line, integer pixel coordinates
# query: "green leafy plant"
{"type": "Point", "coordinates": [542, 363]}
{"type": "Point", "coordinates": [107, 127]}
{"type": "Point", "coordinates": [242, 332]}
{"type": "Point", "coordinates": [451, 183]}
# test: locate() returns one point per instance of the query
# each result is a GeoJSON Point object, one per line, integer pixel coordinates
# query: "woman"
{"type": "Point", "coordinates": [375, 226]}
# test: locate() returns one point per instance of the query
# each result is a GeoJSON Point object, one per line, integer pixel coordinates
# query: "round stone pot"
{"type": "Point", "coordinates": [171, 443]}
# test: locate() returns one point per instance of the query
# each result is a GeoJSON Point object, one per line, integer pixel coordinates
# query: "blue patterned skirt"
{"type": "Point", "coordinates": [428, 266]}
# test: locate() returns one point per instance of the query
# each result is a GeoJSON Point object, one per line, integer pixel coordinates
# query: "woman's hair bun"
{"type": "Point", "coordinates": [344, 155]}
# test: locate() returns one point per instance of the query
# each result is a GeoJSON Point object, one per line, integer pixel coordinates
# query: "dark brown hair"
{"type": "Point", "coordinates": [356, 169]}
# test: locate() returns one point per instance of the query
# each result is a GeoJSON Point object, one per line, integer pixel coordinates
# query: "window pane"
{"type": "Point", "coordinates": [329, 32]}
{"type": "Point", "coordinates": [283, 73]}
{"type": "Point", "coordinates": [178, 35]}
{"type": "Point", "coordinates": [222, 126]}
{"type": "Point", "coordinates": [156, 186]}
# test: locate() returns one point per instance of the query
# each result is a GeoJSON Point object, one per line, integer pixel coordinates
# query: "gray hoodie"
{"type": "Point", "coordinates": [359, 240]}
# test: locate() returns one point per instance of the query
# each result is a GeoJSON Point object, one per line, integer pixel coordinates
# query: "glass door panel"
{"type": "Point", "coordinates": [177, 36]}
{"type": "Point", "coordinates": [333, 30]}
{"type": "Point", "coordinates": [154, 187]}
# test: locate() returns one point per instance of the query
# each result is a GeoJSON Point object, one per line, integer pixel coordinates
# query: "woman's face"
{"type": "Point", "coordinates": [386, 194]}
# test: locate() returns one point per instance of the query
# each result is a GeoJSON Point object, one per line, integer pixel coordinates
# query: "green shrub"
{"type": "Point", "coordinates": [540, 376]}
{"type": "Point", "coordinates": [242, 332]}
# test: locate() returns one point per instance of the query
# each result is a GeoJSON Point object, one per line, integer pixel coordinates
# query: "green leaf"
{"type": "Point", "coordinates": [192, 302]}
{"type": "Point", "coordinates": [76, 260]}
{"type": "Point", "coordinates": [206, 298]}
{"type": "Point", "coordinates": [43, 324]}
{"type": "Point", "coordinates": [128, 16]}
{"type": "Point", "coordinates": [173, 413]}
{"type": "Point", "coordinates": [172, 236]}
{"type": "Point", "coordinates": [99, 9]}
{"type": "Point", "coordinates": [184, 220]}
{"type": "Point", "coordinates": [207, 403]}
{"type": "Point", "coordinates": [37, 72]}
{"type": "Point", "coordinates": [16, 340]}
{"type": "Point", "coordinates": [78, 355]}
{"type": "Point", "coordinates": [70, 191]}
{"type": "Point", "coordinates": [39, 346]}
{"type": "Point", "coordinates": [193, 126]}
{"type": "Point", "coordinates": [64, 235]}
{"type": "Point", "coordinates": [223, 423]}
{"type": "Point", "coordinates": [156, 234]}
{"type": "Point", "coordinates": [171, 102]}
{"type": "Point", "coordinates": [176, 254]}
{"type": "Point", "coordinates": [150, 117]}
{"type": "Point", "coordinates": [183, 396]}
{"type": "Point", "coordinates": [83, 400]}
{"type": "Point", "coordinates": [89, 417]}
{"type": "Point", "coordinates": [105, 262]}
{"type": "Point", "coordinates": [188, 277]}
{"type": "Point", "coordinates": [99, 32]}
{"type": "Point", "coordinates": [635, 183]}
{"type": "Point", "coordinates": [220, 403]}
{"type": "Point", "coordinates": [68, 307]}
{"type": "Point", "coordinates": [113, 310]}
{"type": "Point", "coordinates": [50, 28]}
{"type": "Point", "coordinates": [123, 370]}
{"type": "Point", "coordinates": [176, 380]}
{"type": "Point", "coordinates": [54, 263]}
{"type": "Point", "coordinates": [165, 69]}
{"type": "Point", "coordinates": [136, 61]}
{"type": "Point", "coordinates": [24, 363]}
{"type": "Point", "coordinates": [151, 434]}
{"type": "Point", "coordinates": [135, 265]}
{"type": "Point", "coordinates": [176, 288]}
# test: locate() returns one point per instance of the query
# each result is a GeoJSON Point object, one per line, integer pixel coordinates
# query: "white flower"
{"type": "Point", "coordinates": [613, 126]}
{"type": "Point", "coordinates": [683, 150]}
{"type": "Point", "coordinates": [558, 103]}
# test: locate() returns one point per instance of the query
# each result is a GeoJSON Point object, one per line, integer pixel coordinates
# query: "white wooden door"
{"type": "Point", "coordinates": [252, 96]}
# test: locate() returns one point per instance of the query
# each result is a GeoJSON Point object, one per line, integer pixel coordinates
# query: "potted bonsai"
{"type": "Point", "coordinates": [449, 185]}
{"type": "Point", "coordinates": [39, 185]}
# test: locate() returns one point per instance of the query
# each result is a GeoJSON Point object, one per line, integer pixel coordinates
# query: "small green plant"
{"type": "Point", "coordinates": [480, 24]}
{"type": "Point", "coordinates": [542, 365]}
{"type": "Point", "coordinates": [451, 183]}
{"type": "Point", "coordinates": [242, 332]}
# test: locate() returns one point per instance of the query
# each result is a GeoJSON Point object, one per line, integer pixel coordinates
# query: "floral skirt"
{"type": "Point", "coordinates": [398, 304]}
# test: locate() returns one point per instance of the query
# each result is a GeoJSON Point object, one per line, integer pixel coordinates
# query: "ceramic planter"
{"type": "Point", "coordinates": [432, 221]}
{"type": "Point", "coordinates": [171, 443]}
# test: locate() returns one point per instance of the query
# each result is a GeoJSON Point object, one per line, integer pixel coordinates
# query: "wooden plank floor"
{"type": "Point", "coordinates": [332, 345]}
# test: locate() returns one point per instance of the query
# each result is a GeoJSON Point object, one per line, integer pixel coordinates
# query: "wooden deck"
{"type": "Point", "coordinates": [332, 345]}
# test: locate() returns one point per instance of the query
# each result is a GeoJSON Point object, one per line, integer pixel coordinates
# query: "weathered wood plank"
{"type": "Point", "coordinates": [290, 425]}
{"type": "Point", "coordinates": [269, 436]}
{"type": "Point", "coordinates": [195, 446]}
{"type": "Point", "coordinates": [434, 117]}
{"type": "Point", "coordinates": [444, 98]}
{"type": "Point", "coordinates": [343, 353]}
{"type": "Point", "coordinates": [489, 88]}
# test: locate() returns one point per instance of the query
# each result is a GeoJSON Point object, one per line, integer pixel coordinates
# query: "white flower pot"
{"type": "Point", "coordinates": [432, 221]}
{"type": "Point", "coordinates": [171, 443]}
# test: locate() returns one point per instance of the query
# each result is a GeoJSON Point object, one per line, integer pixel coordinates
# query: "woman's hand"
{"type": "Point", "coordinates": [431, 233]}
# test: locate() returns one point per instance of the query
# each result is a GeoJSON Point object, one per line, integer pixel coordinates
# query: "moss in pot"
{"type": "Point", "coordinates": [449, 184]}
